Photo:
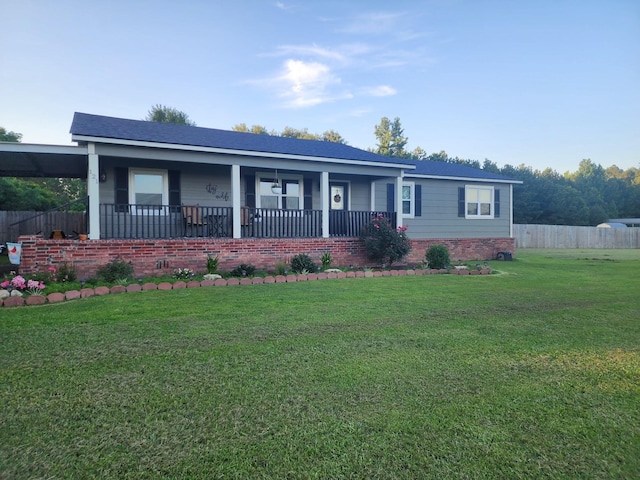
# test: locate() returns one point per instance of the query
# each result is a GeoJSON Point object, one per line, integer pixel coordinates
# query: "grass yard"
{"type": "Point", "coordinates": [530, 373]}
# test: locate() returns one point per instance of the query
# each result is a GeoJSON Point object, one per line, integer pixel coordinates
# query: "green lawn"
{"type": "Point", "coordinates": [533, 372]}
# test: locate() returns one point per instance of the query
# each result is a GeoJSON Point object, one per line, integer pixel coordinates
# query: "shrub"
{"type": "Point", "coordinates": [116, 270]}
{"type": "Point", "coordinates": [281, 268]}
{"type": "Point", "coordinates": [437, 256]}
{"type": "Point", "coordinates": [382, 242]}
{"type": "Point", "coordinates": [303, 263]}
{"type": "Point", "coordinates": [243, 270]}
{"type": "Point", "coordinates": [212, 264]}
{"type": "Point", "coordinates": [326, 260]}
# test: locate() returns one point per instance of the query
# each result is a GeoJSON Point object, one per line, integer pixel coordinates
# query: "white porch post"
{"type": "Point", "coordinates": [235, 200]}
{"type": "Point", "coordinates": [399, 201]}
{"type": "Point", "coordinates": [511, 210]}
{"type": "Point", "coordinates": [324, 194]}
{"type": "Point", "coordinates": [93, 191]}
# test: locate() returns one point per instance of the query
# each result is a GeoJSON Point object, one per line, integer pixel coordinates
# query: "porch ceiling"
{"type": "Point", "coordinates": [56, 161]}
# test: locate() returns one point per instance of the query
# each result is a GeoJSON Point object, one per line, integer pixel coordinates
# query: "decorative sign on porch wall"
{"type": "Point", "coordinates": [213, 190]}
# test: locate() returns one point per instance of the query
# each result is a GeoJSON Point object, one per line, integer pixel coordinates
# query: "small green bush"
{"type": "Point", "coordinates": [212, 264]}
{"type": "Point", "coordinates": [303, 263]}
{"type": "Point", "coordinates": [281, 268]}
{"type": "Point", "coordinates": [243, 270]}
{"type": "Point", "coordinates": [115, 271]}
{"type": "Point", "coordinates": [326, 260]}
{"type": "Point", "coordinates": [437, 256]}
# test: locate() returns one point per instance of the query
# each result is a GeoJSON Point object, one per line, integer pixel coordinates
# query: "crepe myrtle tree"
{"type": "Point", "coordinates": [383, 243]}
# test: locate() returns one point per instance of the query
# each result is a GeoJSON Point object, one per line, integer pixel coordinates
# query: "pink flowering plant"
{"type": "Point", "coordinates": [33, 287]}
{"type": "Point", "coordinates": [383, 243]}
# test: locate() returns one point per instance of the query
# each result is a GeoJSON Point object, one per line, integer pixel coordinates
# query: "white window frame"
{"type": "Point", "coordinates": [165, 188]}
{"type": "Point", "coordinates": [490, 216]}
{"type": "Point", "coordinates": [412, 199]}
{"type": "Point", "coordinates": [260, 177]}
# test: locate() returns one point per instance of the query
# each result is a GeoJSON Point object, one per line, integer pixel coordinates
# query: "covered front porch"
{"type": "Point", "coordinates": [175, 221]}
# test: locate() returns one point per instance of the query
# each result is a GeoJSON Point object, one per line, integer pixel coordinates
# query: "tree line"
{"type": "Point", "coordinates": [588, 196]}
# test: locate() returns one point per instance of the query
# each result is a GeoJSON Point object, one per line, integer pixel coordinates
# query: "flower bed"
{"type": "Point", "coordinates": [9, 300]}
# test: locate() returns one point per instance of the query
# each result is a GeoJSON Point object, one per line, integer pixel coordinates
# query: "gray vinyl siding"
{"type": "Point", "coordinates": [440, 211]}
{"type": "Point", "coordinates": [360, 196]}
{"type": "Point", "coordinates": [205, 185]}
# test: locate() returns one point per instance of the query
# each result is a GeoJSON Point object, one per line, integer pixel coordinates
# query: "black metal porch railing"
{"type": "Point", "coordinates": [163, 221]}
{"type": "Point", "coordinates": [343, 223]}
{"type": "Point", "coordinates": [276, 223]}
{"type": "Point", "coordinates": [269, 223]}
{"type": "Point", "coordinates": [169, 221]}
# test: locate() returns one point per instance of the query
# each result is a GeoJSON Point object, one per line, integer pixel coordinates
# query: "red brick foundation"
{"type": "Point", "coordinates": [162, 257]}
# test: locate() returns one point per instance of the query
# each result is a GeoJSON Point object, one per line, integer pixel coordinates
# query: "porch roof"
{"type": "Point", "coordinates": [87, 127]}
{"type": "Point", "coordinates": [51, 161]}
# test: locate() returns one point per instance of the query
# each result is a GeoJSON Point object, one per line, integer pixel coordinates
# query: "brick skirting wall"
{"type": "Point", "coordinates": [162, 257]}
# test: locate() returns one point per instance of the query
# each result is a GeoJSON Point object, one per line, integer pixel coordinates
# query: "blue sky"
{"type": "Point", "coordinates": [544, 83]}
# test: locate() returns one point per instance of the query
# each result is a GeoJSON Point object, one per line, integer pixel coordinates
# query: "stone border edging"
{"type": "Point", "coordinates": [117, 289]}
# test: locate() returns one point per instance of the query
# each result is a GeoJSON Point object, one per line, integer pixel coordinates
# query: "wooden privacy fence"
{"type": "Point", "coordinates": [564, 236]}
{"type": "Point", "coordinates": [13, 224]}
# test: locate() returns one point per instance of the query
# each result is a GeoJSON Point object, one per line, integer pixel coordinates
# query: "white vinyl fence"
{"type": "Point", "coordinates": [563, 236]}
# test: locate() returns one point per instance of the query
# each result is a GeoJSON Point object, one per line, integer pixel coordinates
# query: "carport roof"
{"type": "Point", "coordinates": [30, 160]}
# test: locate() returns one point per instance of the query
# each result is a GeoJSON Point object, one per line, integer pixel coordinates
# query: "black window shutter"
{"type": "Point", "coordinates": [250, 191]}
{"type": "Point", "coordinates": [496, 203]}
{"type": "Point", "coordinates": [461, 202]}
{"type": "Point", "coordinates": [174, 191]}
{"type": "Point", "coordinates": [418, 201]}
{"type": "Point", "coordinates": [391, 204]}
{"type": "Point", "coordinates": [121, 182]}
{"type": "Point", "coordinates": [308, 194]}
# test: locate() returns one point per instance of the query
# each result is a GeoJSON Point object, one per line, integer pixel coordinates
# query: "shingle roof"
{"type": "Point", "coordinates": [167, 133]}
{"type": "Point", "coordinates": [449, 170]}
{"type": "Point", "coordinates": [99, 126]}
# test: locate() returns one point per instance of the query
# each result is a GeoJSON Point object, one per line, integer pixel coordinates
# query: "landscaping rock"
{"type": "Point", "coordinates": [36, 300]}
{"type": "Point", "coordinates": [55, 297]}
{"type": "Point", "coordinates": [75, 294]}
{"type": "Point", "coordinates": [13, 301]}
{"type": "Point", "coordinates": [85, 293]}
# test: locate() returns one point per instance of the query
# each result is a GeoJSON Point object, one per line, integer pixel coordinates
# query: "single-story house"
{"type": "Point", "coordinates": [166, 196]}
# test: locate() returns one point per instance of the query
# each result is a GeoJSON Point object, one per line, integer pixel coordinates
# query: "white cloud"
{"type": "Point", "coordinates": [313, 73]}
{"type": "Point", "coordinates": [381, 91]}
{"type": "Point", "coordinates": [306, 84]}
{"type": "Point", "coordinates": [309, 51]}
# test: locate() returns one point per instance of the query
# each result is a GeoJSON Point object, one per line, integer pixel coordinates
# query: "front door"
{"type": "Point", "coordinates": [339, 205]}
